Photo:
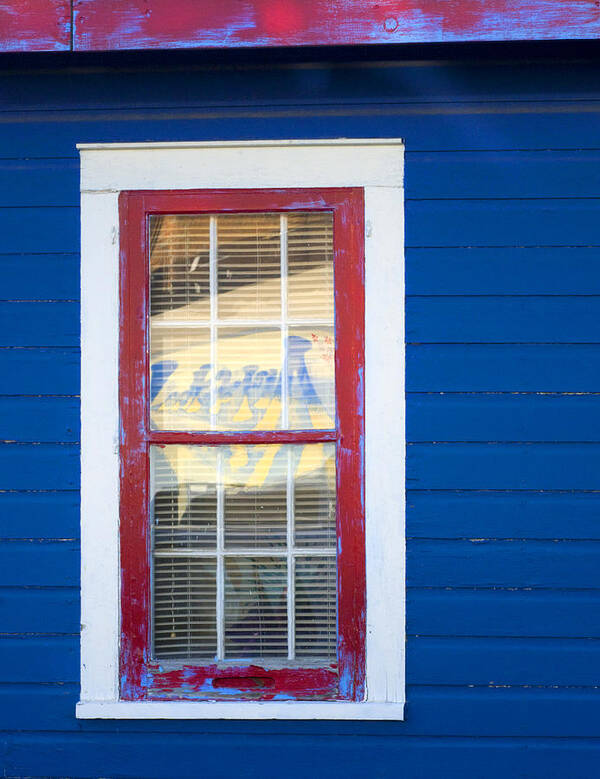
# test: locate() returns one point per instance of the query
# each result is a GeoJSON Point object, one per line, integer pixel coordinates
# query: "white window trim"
{"type": "Point", "coordinates": [107, 169]}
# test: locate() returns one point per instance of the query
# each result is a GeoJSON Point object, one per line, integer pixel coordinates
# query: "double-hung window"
{"type": "Point", "coordinates": [242, 444]}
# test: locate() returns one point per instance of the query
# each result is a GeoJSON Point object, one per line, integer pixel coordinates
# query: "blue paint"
{"type": "Point", "coordinates": [503, 537]}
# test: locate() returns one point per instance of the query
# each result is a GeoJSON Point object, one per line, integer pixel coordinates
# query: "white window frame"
{"type": "Point", "coordinates": [107, 169]}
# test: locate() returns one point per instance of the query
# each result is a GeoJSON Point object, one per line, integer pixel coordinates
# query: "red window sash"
{"type": "Point", "coordinates": [140, 677]}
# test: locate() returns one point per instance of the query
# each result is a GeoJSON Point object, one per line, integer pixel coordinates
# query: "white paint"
{"type": "Point", "coordinates": [384, 442]}
{"type": "Point", "coordinates": [107, 169]}
{"type": "Point", "coordinates": [100, 581]}
{"type": "Point", "coordinates": [345, 163]}
{"type": "Point", "coordinates": [292, 710]}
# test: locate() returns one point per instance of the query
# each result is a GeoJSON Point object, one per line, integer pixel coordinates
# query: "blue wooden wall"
{"type": "Point", "coordinates": [503, 373]}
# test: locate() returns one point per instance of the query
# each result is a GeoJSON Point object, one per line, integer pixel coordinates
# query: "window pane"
{"type": "Point", "coordinates": [248, 386]}
{"type": "Point", "coordinates": [310, 266]}
{"type": "Point", "coordinates": [314, 496]}
{"type": "Point", "coordinates": [179, 265]}
{"type": "Point", "coordinates": [315, 607]}
{"type": "Point", "coordinates": [255, 607]}
{"type": "Point", "coordinates": [185, 607]}
{"type": "Point", "coordinates": [236, 301]}
{"type": "Point", "coordinates": [255, 512]}
{"type": "Point", "coordinates": [249, 266]}
{"type": "Point", "coordinates": [243, 536]}
{"type": "Point", "coordinates": [184, 497]}
{"type": "Point", "coordinates": [311, 370]}
{"type": "Point", "coordinates": [180, 378]}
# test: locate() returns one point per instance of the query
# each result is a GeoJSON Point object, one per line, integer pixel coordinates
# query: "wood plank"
{"type": "Point", "coordinates": [35, 563]}
{"type": "Point", "coordinates": [90, 755]}
{"type": "Point", "coordinates": [35, 610]}
{"type": "Point", "coordinates": [501, 417]}
{"type": "Point", "coordinates": [39, 371]}
{"type": "Point", "coordinates": [564, 270]}
{"type": "Point", "coordinates": [39, 419]}
{"type": "Point", "coordinates": [39, 230]}
{"type": "Point", "coordinates": [512, 466]}
{"type": "Point", "coordinates": [39, 324]}
{"type": "Point", "coordinates": [39, 467]}
{"type": "Point", "coordinates": [550, 662]}
{"type": "Point", "coordinates": [506, 319]}
{"type": "Point", "coordinates": [545, 222]}
{"type": "Point", "coordinates": [101, 25]}
{"type": "Point", "coordinates": [35, 25]}
{"type": "Point", "coordinates": [45, 659]}
{"type": "Point", "coordinates": [483, 563]}
{"type": "Point", "coordinates": [39, 515]}
{"type": "Point", "coordinates": [39, 183]}
{"type": "Point", "coordinates": [40, 276]}
{"type": "Point", "coordinates": [503, 174]}
{"type": "Point", "coordinates": [502, 514]}
{"type": "Point", "coordinates": [456, 127]}
{"type": "Point", "coordinates": [497, 612]}
{"type": "Point", "coordinates": [503, 368]}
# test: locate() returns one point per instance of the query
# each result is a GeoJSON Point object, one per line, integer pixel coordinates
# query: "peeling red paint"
{"type": "Point", "coordinates": [147, 24]}
{"type": "Point", "coordinates": [110, 25]}
{"type": "Point", "coordinates": [140, 677]}
{"type": "Point", "coordinates": [35, 25]}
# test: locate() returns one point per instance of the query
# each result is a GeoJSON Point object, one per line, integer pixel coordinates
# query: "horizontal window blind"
{"type": "Point", "coordinates": [242, 339]}
{"type": "Point", "coordinates": [244, 551]}
{"type": "Point", "coordinates": [241, 326]}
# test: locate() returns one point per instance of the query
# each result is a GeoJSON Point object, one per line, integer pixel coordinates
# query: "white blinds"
{"type": "Point", "coordinates": [241, 329]}
{"type": "Point", "coordinates": [242, 339]}
{"type": "Point", "coordinates": [244, 551]}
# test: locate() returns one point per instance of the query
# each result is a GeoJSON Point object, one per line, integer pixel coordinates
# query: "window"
{"type": "Point", "coordinates": [242, 529]}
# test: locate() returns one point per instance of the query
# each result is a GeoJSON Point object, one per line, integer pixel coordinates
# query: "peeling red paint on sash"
{"type": "Point", "coordinates": [35, 25]}
{"type": "Point", "coordinates": [140, 677]}
{"type": "Point", "coordinates": [159, 24]}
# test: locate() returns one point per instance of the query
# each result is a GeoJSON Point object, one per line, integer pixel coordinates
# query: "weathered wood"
{"type": "Point", "coordinates": [39, 371]}
{"type": "Point", "coordinates": [39, 514]}
{"type": "Point", "coordinates": [35, 25]}
{"type": "Point", "coordinates": [563, 270]}
{"type": "Point", "coordinates": [39, 466]}
{"type": "Point", "coordinates": [509, 612]}
{"type": "Point", "coordinates": [36, 610]}
{"type": "Point", "coordinates": [503, 368]}
{"type": "Point", "coordinates": [502, 514]}
{"type": "Point", "coordinates": [133, 24]}
{"type": "Point", "coordinates": [503, 466]}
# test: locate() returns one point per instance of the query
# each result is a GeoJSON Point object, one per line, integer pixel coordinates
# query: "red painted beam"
{"type": "Point", "coordinates": [164, 24]}
{"type": "Point", "coordinates": [35, 25]}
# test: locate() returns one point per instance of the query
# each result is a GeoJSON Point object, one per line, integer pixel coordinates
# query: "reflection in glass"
{"type": "Point", "coordinates": [236, 301]}
{"type": "Point", "coordinates": [249, 266]}
{"type": "Point", "coordinates": [250, 527]}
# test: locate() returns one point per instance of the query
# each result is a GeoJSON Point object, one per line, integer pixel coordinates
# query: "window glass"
{"type": "Point", "coordinates": [244, 552]}
{"type": "Point", "coordinates": [238, 301]}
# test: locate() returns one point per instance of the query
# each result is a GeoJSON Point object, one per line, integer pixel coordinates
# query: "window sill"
{"type": "Point", "coordinates": [289, 710]}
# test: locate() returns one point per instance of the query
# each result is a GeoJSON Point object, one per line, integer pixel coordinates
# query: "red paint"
{"type": "Point", "coordinates": [261, 437]}
{"type": "Point", "coordinates": [35, 25]}
{"type": "Point", "coordinates": [141, 678]}
{"type": "Point", "coordinates": [152, 24]}
{"type": "Point", "coordinates": [252, 682]}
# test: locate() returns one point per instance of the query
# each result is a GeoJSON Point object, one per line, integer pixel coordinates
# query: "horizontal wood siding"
{"type": "Point", "coordinates": [503, 411]}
